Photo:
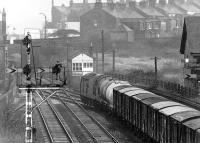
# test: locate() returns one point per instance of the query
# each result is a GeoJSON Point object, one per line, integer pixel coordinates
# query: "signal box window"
{"type": "Point", "coordinates": [80, 66]}
{"type": "Point", "coordinates": [88, 65]}
{"type": "Point", "coordinates": [73, 66]}
{"type": "Point", "coordinates": [77, 66]}
{"type": "Point", "coordinates": [84, 65]}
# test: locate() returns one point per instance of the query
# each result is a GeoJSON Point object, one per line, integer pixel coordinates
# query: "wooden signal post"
{"type": "Point", "coordinates": [29, 87]}
{"type": "Point", "coordinates": [27, 70]}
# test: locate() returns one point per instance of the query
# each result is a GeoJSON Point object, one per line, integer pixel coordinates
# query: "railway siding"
{"type": "Point", "coordinates": [74, 125]}
{"type": "Point", "coordinates": [99, 133]}
{"type": "Point", "coordinates": [55, 127]}
{"type": "Point", "coordinates": [80, 121]}
{"type": "Point", "coordinates": [113, 125]}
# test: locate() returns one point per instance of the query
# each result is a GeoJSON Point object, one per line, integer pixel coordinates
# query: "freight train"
{"type": "Point", "coordinates": [162, 120]}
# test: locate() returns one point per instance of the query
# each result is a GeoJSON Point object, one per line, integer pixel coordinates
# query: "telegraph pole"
{"type": "Point", "coordinates": [97, 59]}
{"type": "Point", "coordinates": [156, 70]}
{"type": "Point", "coordinates": [113, 60]}
{"type": "Point", "coordinates": [91, 50]}
{"type": "Point", "coordinates": [68, 70]}
{"type": "Point", "coordinates": [102, 38]}
{"type": "Point", "coordinates": [113, 51]}
{"type": "Point", "coordinates": [155, 67]}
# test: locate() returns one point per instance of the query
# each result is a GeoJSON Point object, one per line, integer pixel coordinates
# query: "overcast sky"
{"type": "Point", "coordinates": [25, 13]}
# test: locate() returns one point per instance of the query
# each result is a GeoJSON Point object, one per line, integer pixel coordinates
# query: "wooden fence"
{"type": "Point", "coordinates": [161, 85]}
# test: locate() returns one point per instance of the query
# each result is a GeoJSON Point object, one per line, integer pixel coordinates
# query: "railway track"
{"type": "Point", "coordinates": [54, 125]}
{"type": "Point", "coordinates": [93, 131]}
{"type": "Point", "coordinates": [108, 124]}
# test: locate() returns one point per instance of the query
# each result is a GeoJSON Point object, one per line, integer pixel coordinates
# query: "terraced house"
{"type": "Point", "coordinates": [133, 20]}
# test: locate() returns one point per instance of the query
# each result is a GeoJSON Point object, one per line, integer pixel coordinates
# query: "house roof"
{"type": "Point", "coordinates": [88, 4]}
{"type": "Point", "coordinates": [80, 8]}
{"type": "Point", "coordinates": [189, 7]}
{"type": "Point", "coordinates": [148, 10]}
{"type": "Point", "coordinates": [73, 16]}
{"type": "Point", "coordinates": [123, 13]}
{"type": "Point", "coordinates": [73, 12]}
{"type": "Point", "coordinates": [62, 9]}
{"type": "Point", "coordinates": [122, 27]}
{"type": "Point", "coordinates": [170, 9]}
{"type": "Point", "coordinates": [196, 2]}
{"type": "Point", "coordinates": [127, 28]}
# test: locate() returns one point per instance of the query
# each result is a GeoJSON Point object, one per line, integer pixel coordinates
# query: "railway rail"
{"type": "Point", "coordinates": [53, 124]}
{"type": "Point", "coordinates": [109, 126]}
{"type": "Point", "coordinates": [90, 126]}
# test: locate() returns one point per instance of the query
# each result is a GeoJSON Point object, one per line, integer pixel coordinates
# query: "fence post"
{"type": "Point", "coordinates": [131, 78]}
{"type": "Point", "coordinates": [170, 85]}
{"type": "Point", "coordinates": [146, 81]}
{"type": "Point", "coordinates": [179, 88]}
{"type": "Point", "coordinates": [123, 77]}
{"type": "Point", "coordinates": [182, 90]}
{"type": "Point", "coordinates": [189, 92]}
{"type": "Point", "coordinates": [185, 91]}
{"type": "Point", "coordinates": [163, 84]}
{"type": "Point", "coordinates": [170, 88]}
{"type": "Point", "coordinates": [173, 87]}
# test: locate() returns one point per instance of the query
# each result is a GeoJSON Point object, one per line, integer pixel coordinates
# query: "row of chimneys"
{"type": "Point", "coordinates": [127, 1]}
{"type": "Point", "coordinates": [133, 2]}
{"type": "Point", "coordinates": [149, 2]}
{"type": "Point", "coordinates": [167, 1]}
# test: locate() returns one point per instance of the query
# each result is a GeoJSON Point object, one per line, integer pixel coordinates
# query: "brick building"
{"type": "Point", "coordinates": [190, 49]}
{"type": "Point", "coordinates": [147, 18]}
{"type": "Point", "coordinates": [96, 20]}
{"type": "Point", "coordinates": [2, 42]}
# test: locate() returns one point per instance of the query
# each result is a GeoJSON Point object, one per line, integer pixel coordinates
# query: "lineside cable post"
{"type": "Point", "coordinates": [27, 71]}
